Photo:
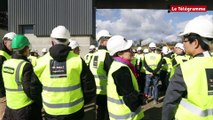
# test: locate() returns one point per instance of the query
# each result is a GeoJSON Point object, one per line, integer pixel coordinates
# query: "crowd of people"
{"type": "Point", "coordinates": [117, 77]}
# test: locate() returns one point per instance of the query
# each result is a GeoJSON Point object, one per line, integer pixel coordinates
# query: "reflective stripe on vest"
{"type": "Point", "coordinates": [194, 109]}
{"type": "Point", "coordinates": [6, 55]}
{"type": "Point", "coordinates": [116, 106]}
{"type": "Point", "coordinates": [61, 89]}
{"type": "Point", "coordinates": [64, 105]}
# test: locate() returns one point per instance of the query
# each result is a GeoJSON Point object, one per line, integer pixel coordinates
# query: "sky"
{"type": "Point", "coordinates": [147, 25]}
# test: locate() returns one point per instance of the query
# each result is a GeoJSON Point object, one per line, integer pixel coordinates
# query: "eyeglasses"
{"type": "Point", "coordinates": [184, 41]}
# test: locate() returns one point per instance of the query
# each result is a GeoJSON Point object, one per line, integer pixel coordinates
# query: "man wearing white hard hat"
{"type": "Point", "coordinates": [99, 66]}
{"type": "Point", "coordinates": [124, 100]}
{"type": "Point", "coordinates": [67, 82]}
{"type": "Point", "coordinates": [190, 93]}
{"type": "Point", "coordinates": [89, 55]}
{"type": "Point", "coordinates": [152, 65]}
{"type": "Point", "coordinates": [5, 54]}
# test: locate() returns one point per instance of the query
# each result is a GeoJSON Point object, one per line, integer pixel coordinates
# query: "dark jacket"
{"type": "Point", "coordinates": [32, 88]}
{"type": "Point", "coordinates": [123, 82]}
{"type": "Point", "coordinates": [2, 59]}
{"type": "Point", "coordinates": [176, 90]}
{"type": "Point", "coordinates": [60, 53]}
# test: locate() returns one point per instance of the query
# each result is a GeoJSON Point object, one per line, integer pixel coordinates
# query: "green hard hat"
{"type": "Point", "coordinates": [19, 42]}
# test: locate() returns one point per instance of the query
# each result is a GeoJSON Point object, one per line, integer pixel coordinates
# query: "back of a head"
{"type": "Point", "coordinates": [118, 43]}
{"type": "Point", "coordinates": [200, 26]}
{"type": "Point", "coordinates": [103, 34]}
{"type": "Point", "coordinates": [61, 34]}
{"type": "Point", "coordinates": [19, 42]}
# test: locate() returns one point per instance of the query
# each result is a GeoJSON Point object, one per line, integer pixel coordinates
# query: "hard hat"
{"type": "Point", "coordinates": [19, 42]}
{"type": "Point", "coordinates": [145, 50]}
{"type": "Point", "coordinates": [73, 44]}
{"type": "Point", "coordinates": [60, 32]}
{"type": "Point", "coordinates": [139, 48]}
{"type": "Point", "coordinates": [102, 33]}
{"type": "Point", "coordinates": [118, 43]}
{"type": "Point", "coordinates": [9, 35]}
{"type": "Point", "coordinates": [152, 45]}
{"type": "Point", "coordinates": [200, 26]}
{"type": "Point", "coordinates": [165, 50]}
{"type": "Point", "coordinates": [91, 47]}
{"type": "Point", "coordinates": [44, 50]}
{"type": "Point", "coordinates": [180, 45]}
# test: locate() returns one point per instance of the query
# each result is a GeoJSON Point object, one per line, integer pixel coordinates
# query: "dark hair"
{"type": "Point", "coordinates": [193, 36]}
{"type": "Point", "coordinates": [21, 52]}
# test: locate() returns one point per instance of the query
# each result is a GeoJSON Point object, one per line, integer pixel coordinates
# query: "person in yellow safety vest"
{"type": "Point", "coordinates": [190, 93]}
{"type": "Point", "coordinates": [23, 89]}
{"type": "Point", "coordinates": [139, 68]}
{"type": "Point", "coordinates": [5, 54]}
{"type": "Point", "coordinates": [99, 65]}
{"type": "Point", "coordinates": [166, 68]}
{"type": "Point", "coordinates": [152, 65]}
{"type": "Point", "coordinates": [68, 84]}
{"type": "Point", "coordinates": [89, 55]}
{"type": "Point", "coordinates": [124, 100]}
{"type": "Point", "coordinates": [74, 46]}
{"type": "Point", "coordinates": [32, 58]}
{"type": "Point", "coordinates": [179, 58]}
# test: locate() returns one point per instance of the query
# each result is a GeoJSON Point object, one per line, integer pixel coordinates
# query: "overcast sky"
{"type": "Point", "coordinates": [149, 25]}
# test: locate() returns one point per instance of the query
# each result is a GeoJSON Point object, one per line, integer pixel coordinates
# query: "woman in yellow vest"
{"type": "Point", "coordinates": [124, 100]}
{"type": "Point", "coordinates": [190, 92]}
{"type": "Point", "coordinates": [23, 89]}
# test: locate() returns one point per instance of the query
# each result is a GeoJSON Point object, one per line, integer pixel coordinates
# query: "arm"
{"type": "Point", "coordinates": [176, 90]}
{"type": "Point", "coordinates": [31, 84]}
{"type": "Point", "coordinates": [87, 83]}
{"type": "Point", "coordinates": [107, 62]}
{"type": "Point", "coordinates": [123, 81]}
{"type": "Point", "coordinates": [2, 88]}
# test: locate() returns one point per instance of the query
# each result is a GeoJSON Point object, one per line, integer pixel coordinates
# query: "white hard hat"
{"type": "Point", "coordinates": [102, 33]}
{"type": "Point", "coordinates": [44, 50]}
{"type": "Point", "coordinates": [145, 50]}
{"type": "Point", "coordinates": [60, 32]}
{"type": "Point", "coordinates": [179, 45]}
{"type": "Point", "coordinates": [152, 45]}
{"type": "Point", "coordinates": [9, 35]}
{"type": "Point", "coordinates": [165, 50]}
{"type": "Point", "coordinates": [73, 44]}
{"type": "Point", "coordinates": [200, 26]}
{"type": "Point", "coordinates": [91, 47]}
{"type": "Point", "coordinates": [118, 43]}
{"type": "Point", "coordinates": [139, 48]}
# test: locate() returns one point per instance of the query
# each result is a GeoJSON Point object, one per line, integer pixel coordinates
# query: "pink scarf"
{"type": "Point", "coordinates": [128, 63]}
